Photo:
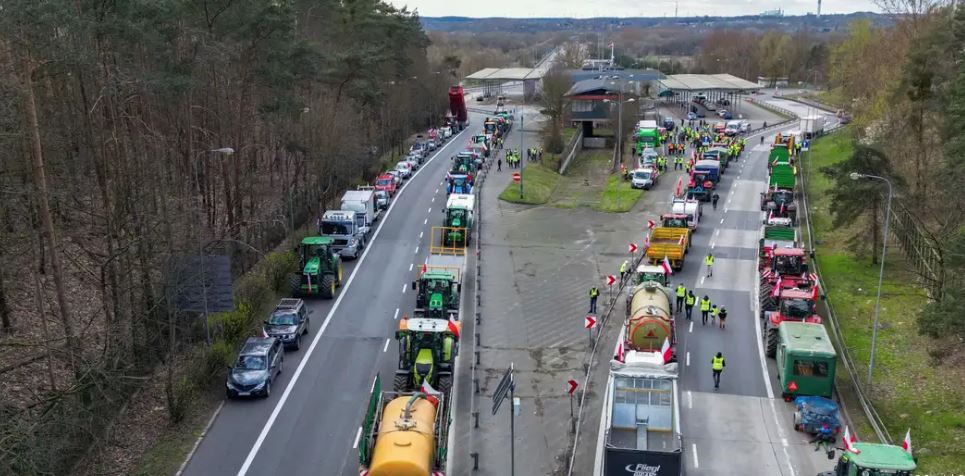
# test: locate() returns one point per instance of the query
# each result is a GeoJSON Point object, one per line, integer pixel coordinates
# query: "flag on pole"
{"type": "Point", "coordinates": [680, 183]}
{"type": "Point", "coordinates": [610, 45]}
{"type": "Point", "coordinates": [849, 440]}
{"type": "Point", "coordinates": [430, 392]}
{"type": "Point", "coordinates": [665, 264]}
{"type": "Point", "coordinates": [906, 443]}
{"type": "Point", "coordinates": [665, 350]}
{"type": "Point", "coordinates": [620, 357]}
{"type": "Point", "coordinates": [770, 215]}
{"type": "Point", "coordinates": [424, 268]}
{"type": "Point", "coordinates": [681, 240]}
{"type": "Point", "coordinates": [646, 242]}
{"type": "Point", "coordinates": [777, 287]}
{"type": "Point", "coordinates": [264, 335]}
{"type": "Point", "coordinates": [454, 327]}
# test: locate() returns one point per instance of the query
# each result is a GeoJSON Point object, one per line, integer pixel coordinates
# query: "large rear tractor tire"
{"type": "Point", "coordinates": [295, 284]}
{"type": "Point", "coordinates": [445, 384]}
{"type": "Point", "coordinates": [327, 289]}
{"type": "Point", "coordinates": [771, 344]}
{"type": "Point", "coordinates": [340, 273]}
{"type": "Point", "coordinates": [401, 382]}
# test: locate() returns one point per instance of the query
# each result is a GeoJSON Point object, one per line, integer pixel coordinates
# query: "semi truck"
{"type": "Point", "coordinates": [806, 360]}
{"type": "Point", "coordinates": [404, 433]}
{"type": "Point", "coordinates": [347, 229]}
{"type": "Point", "coordinates": [812, 126]}
{"type": "Point", "coordinates": [647, 135]}
{"type": "Point", "coordinates": [457, 107]}
{"type": "Point", "coordinates": [362, 202]}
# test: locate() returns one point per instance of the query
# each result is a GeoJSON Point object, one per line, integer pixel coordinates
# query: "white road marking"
{"type": "Point", "coordinates": [416, 250]}
{"type": "Point", "coordinates": [721, 221]}
{"type": "Point", "coordinates": [318, 335]}
{"type": "Point", "coordinates": [404, 287]}
{"type": "Point", "coordinates": [396, 316]}
{"type": "Point", "coordinates": [426, 221]}
{"type": "Point", "coordinates": [688, 359]}
{"type": "Point", "coordinates": [726, 209]}
{"type": "Point", "coordinates": [690, 399]}
{"type": "Point", "coordinates": [411, 265]}
{"type": "Point", "coordinates": [702, 278]}
{"type": "Point", "coordinates": [696, 461]}
{"type": "Point", "coordinates": [385, 348]}
{"type": "Point", "coordinates": [420, 234]}
{"type": "Point", "coordinates": [691, 326]}
{"type": "Point", "coordinates": [437, 190]}
{"type": "Point", "coordinates": [713, 245]}
{"type": "Point", "coordinates": [717, 233]}
{"type": "Point", "coordinates": [430, 210]}
{"type": "Point", "coordinates": [433, 200]}
{"type": "Point", "coordinates": [358, 436]}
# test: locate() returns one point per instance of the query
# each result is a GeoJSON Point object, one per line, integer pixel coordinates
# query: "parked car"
{"type": "Point", "coordinates": [445, 132]}
{"type": "Point", "coordinates": [745, 127]}
{"type": "Point", "coordinates": [691, 116]}
{"type": "Point", "coordinates": [288, 322]}
{"type": "Point", "coordinates": [723, 102]}
{"type": "Point", "coordinates": [415, 157]}
{"type": "Point", "coordinates": [414, 163]}
{"type": "Point", "coordinates": [404, 168]}
{"type": "Point", "coordinates": [259, 362]}
{"type": "Point", "coordinates": [386, 183]}
{"type": "Point", "coordinates": [397, 176]}
{"type": "Point", "coordinates": [644, 178]}
{"type": "Point", "coordinates": [725, 114]}
{"type": "Point", "coordinates": [669, 123]}
{"type": "Point", "coordinates": [382, 199]}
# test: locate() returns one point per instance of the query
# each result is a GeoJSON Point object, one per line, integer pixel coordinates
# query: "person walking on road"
{"type": "Point", "coordinates": [717, 365]}
{"type": "Point", "coordinates": [713, 314]}
{"type": "Point", "coordinates": [722, 317]}
{"type": "Point", "coordinates": [681, 295]}
{"type": "Point", "coordinates": [709, 261]}
{"type": "Point", "coordinates": [594, 293]}
{"type": "Point", "coordinates": [499, 165]}
{"type": "Point", "coordinates": [714, 200]}
{"type": "Point", "coordinates": [689, 304]}
{"type": "Point", "coordinates": [704, 309]}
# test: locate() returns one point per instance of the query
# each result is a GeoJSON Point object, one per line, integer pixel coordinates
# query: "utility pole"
{"type": "Point", "coordinates": [522, 155]}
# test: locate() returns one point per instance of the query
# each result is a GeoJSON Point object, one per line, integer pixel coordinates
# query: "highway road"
{"type": "Point", "coordinates": [310, 424]}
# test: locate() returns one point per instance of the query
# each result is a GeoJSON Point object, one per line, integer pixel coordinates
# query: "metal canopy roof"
{"type": "Point", "coordinates": [707, 82]}
{"type": "Point", "coordinates": [507, 74]}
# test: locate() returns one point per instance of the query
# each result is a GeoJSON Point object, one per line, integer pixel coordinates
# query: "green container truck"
{"type": "Point", "coordinates": [806, 360]}
{"type": "Point", "coordinates": [782, 177]}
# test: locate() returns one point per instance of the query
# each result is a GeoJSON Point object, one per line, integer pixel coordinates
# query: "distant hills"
{"type": "Point", "coordinates": [582, 25]}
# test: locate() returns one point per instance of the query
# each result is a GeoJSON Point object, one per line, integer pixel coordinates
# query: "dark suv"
{"type": "Point", "coordinates": [288, 322]}
{"type": "Point", "coordinates": [259, 362]}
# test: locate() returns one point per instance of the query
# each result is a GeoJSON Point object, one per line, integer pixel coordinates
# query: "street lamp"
{"type": "Point", "coordinates": [619, 132]}
{"type": "Point", "coordinates": [204, 283]}
{"type": "Point", "coordinates": [881, 272]}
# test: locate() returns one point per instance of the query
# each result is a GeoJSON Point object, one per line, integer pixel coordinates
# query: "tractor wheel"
{"type": "Point", "coordinates": [445, 384]}
{"type": "Point", "coordinates": [771, 342]}
{"type": "Point", "coordinates": [327, 289]}
{"type": "Point", "coordinates": [401, 382]}
{"type": "Point", "coordinates": [341, 272]}
{"type": "Point", "coordinates": [295, 283]}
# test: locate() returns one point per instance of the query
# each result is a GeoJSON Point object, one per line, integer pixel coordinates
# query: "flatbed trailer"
{"type": "Point", "coordinates": [671, 243]}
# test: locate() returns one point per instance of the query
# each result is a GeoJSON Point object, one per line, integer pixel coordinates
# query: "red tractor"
{"type": "Point", "coordinates": [793, 305]}
{"type": "Point", "coordinates": [784, 268]}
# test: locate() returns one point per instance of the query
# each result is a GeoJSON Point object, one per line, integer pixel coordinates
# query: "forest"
{"type": "Point", "coordinates": [135, 135]}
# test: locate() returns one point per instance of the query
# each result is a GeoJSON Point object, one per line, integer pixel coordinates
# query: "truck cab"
{"type": "Point", "coordinates": [347, 229]}
{"type": "Point", "coordinates": [386, 183]}
{"type": "Point", "coordinates": [647, 272]}
{"type": "Point", "coordinates": [873, 459]}
{"type": "Point", "coordinates": [689, 207]}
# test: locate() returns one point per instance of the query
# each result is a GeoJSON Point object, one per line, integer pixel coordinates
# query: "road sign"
{"type": "Point", "coordinates": [503, 388]}
{"type": "Point", "coordinates": [589, 322]}
{"type": "Point", "coordinates": [610, 279]}
{"type": "Point", "coordinates": [516, 177]}
{"type": "Point", "coordinates": [633, 247]}
{"type": "Point", "coordinates": [573, 386]}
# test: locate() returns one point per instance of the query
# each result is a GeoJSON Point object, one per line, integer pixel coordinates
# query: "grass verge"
{"type": "Point", "coordinates": [910, 390]}
{"type": "Point", "coordinates": [175, 442]}
{"type": "Point", "coordinates": [538, 185]}
{"type": "Point", "coordinates": [618, 196]}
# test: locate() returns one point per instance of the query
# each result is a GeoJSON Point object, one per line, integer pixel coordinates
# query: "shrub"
{"type": "Point", "coordinates": [278, 267]}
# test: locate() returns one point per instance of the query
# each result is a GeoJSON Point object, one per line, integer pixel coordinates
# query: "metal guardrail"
{"type": "Point", "coordinates": [573, 147]}
{"type": "Point", "coordinates": [866, 405]}
{"type": "Point", "coordinates": [780, 110]}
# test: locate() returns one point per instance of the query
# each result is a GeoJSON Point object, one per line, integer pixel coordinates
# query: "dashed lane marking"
{"type": "Point", "coordinates": [396, 316]}
{"type": "Point", "coordinates": [385, 348]}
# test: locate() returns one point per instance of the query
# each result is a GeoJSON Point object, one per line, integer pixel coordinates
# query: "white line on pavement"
{"type": "Point", "coordinates": [396, 316]}
{"type": "Point", "coordinates": [385, 348]}
{"type": "Point", "coordinates": [416, 250]}
{"type": "Point", "coordinates": [690, 399]}
{"type": "Point", "coordinates": [426, 221]}
{"type": "Point", "coordinates": [404, 287]}
{"type": "Point", "coordinates": [328, 318]}
{"type": "Point", "coordinates": [411, 265]}
{"type": "Point", "coordinates": [358, 435]}
{"type": "Point", "coordinates": [712, 245]}
{"type": "Point", "coordinates": [420, 234]}
{"type": "Point", "coordinates": [688, 359]}
{"type": "Point", "coordinates": [433, 200]}
{"type": "Point", "coordinates": [702, 278]}
{"type": "Point", "coordinates": [721, 221]}
{"type": "Point", "coordinates": [430, 210]}
{"type": "Point", "coordinates": [717, 233]}
{"type": "Point", "coordinates": [691, 326]}
{"type": "Point", "coordinates": [696, 461]}
{"type": "Point", "coordinates": [437, 190]}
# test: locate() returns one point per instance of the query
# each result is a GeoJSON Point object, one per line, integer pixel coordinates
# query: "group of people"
{"type": "Point", "coordinates": [512, 160]}
{"type": "Point", "coordinates": [534, 154]}
{"type": "Point", "coordinates": [709, 311]}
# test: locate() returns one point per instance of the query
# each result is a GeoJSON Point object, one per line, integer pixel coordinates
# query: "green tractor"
{"type": "Point", "coordinates": [437, 295]}
{"type": "Point", "coordinates": [427, 352]}
{"type": "Point", "coordinates": [458, 222]}
{"type": "Point", "coordinates": [873, 458]}
{"type": "Point", "coordinates": [321, 268]}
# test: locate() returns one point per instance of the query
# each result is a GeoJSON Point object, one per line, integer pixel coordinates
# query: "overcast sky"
{"type": "Point", "coordinates": [625, 8]}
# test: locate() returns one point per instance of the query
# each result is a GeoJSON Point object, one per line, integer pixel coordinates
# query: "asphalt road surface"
{"type": "Point", "coordinates": [310, 423]}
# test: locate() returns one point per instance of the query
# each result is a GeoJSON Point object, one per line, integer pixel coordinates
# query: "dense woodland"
{"type": "Point", "coordinates": [115, 126]}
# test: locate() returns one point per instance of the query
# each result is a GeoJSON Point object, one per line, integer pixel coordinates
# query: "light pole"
{"type": "Point", "coordinates": [881, 272]}
{"type": "Point", "coordinates": [522, 155]}
{"type": "Point", "coordinates": [619, 132]}
{"type": "Point", "coordinates": [204, 283]}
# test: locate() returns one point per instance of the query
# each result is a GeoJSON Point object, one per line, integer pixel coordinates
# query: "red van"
{"type": "Point", "coordinates": [386, 182]}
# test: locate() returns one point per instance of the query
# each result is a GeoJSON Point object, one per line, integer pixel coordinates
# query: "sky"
{"type": "Point", "coordinates": [625, 8]}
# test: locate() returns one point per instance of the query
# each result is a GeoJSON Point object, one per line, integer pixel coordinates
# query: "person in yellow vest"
{"type": "Point", "coordinates": [704, 309]}
{"type": "Point", "coordinates": [709, 261]}
{"type": "Point", "coordinates": [681, 295]}
{"type": "Point", "coordinates": [689, 303]}
{"type": "Point", "coordinates": [594, 293]}
{"type": "Point", "coordinates": [713, 314]}
{"type": "Point", "coordinates": [623, 271]}
{"type": "Point", "coordinates": [717, 366]}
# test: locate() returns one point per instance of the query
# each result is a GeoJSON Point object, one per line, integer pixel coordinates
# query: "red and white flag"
{"type": "Point", "coordinates": [770, 215]}
{"type": "Point", "coordinates": [681, 240]}
{"type": "Point", "coordinates": [620, 357]}
{"type": "Point", "coordinates": [430, 392]}
{"type": "Point", "coordinates": [651, 224]}
{"type": "Point", "coordinates": [680, 184]}
{"type": "Point", "coordinates": [424, 268]}
{"type": "Point", "coordinates": [814, 292]}
{"type": "Point", "coordinates": [646, 242]}
{"type": "Point", "coordinates": [906, 443]}
{"type": "Point", "coordinates": [454, 327]}
{"type": "Point", "coordinates": [665, 264]}
{"type": "Point", "coordinates": [782, 209]}
{"type": "Point", "coordinates": [264, 335]}
{"type": "Point", "coordinates": [665, 350]}
{"type": "Point", "coordinates": [849, 441]}
{"type": "Point", "coordinates": [777, 287]}
{"type": "Point", "coordinates": [610, 45]}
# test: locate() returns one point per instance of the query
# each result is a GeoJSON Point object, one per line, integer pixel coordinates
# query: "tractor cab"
{"type": "Point", "coordinates": [320, 268]}
{"type": "Point", "coordinates": [873, 459]}
{"type": "Point", "coordinates": [789, 261]}
{"type": "Point", "coordinates": [780, 207]}
{"type": "Point", "coordinates": [674, 220]}
{"type": "Point", "coordinates": [646, 272]}
{"type": "Point", "coordinates": [459, 183]}
{"type": "Point", "coordinates": [427, 352]}
{"type": "Point", "coordinates": [490, 126]}
{"type": "Point", "coordinates": [437, 295]}
{"type": "Point", "coordinates": [797, 304]}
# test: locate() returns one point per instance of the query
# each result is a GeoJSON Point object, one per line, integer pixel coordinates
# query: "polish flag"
{"type": "Point", "coordinates": [430, 392]}
{"type": "Point", "coordinates": [646, 242]}
{"type": "Point", "coordinates": [770, 215]}
{"type": "Point", "coordinates": [665, 264]}
{"type": "Point", "coordinates": [849, 440]}
{"type": "Point", "coordinates": [424, 268]}
{"type": "Point", "coordinates": [680, 183]}
{"type": "Point", "coordinates": [681, 240]}
{"type": "Point", "coordinates": [665, 350]}
{"type": "Point", "coordinates": [454, 327]}
{"type": "Point", "coordinates": [814, 292]}
{"type": "Point", "coordinates": [777, 287]}
{"type": "Point", "coordinates": [782, 209]}
{"type": "Point", "coordinates": [906, 443]}
{"type": "Point", "coordinates": [651, 224]}
{"type": "Point", "coordinates": [620, 357]}
{"type": "Point", "coordinates": [264, 335]}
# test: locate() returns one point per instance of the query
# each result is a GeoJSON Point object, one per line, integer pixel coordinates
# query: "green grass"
{"type": "Point", "coordinates": [618, 196]}
{"type": "Point", "coordinates": [910, 390]}
{"type": "Point", "coordinates": [538, 185]}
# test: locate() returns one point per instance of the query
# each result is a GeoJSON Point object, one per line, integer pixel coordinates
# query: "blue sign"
{"type": "Point", "coordinates": [805, 145]}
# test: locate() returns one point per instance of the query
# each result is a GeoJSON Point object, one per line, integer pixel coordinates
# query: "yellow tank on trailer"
{"type": "Point", "coordinates": [649, 321]}
{"type": "Point", "coordinates": [405, 446]}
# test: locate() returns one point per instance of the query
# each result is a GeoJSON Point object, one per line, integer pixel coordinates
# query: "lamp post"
{"type": "Point", "coordinates": [204, 283]}
{"type": "Point", "coordinates": [522, 155]}
{"type": "Point", "coordinates": [881, 272]}
{"type": "Point", "coordinates": [619, 132]}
